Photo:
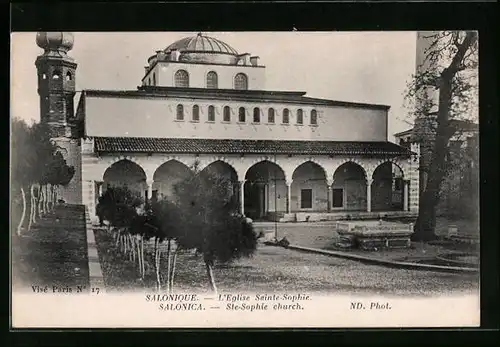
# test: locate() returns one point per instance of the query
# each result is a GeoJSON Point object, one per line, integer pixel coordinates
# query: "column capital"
{"type": "Point", "coordinates": [369, 181]}
{"type": "Point", "coordinates": [329, 183]}
{"type": "Point", "coordinates": [288, 182]}
{"type": "Point", "coordinates": [149, 182]}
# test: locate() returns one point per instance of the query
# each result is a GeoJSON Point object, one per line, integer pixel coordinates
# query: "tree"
{"type": "Point", "coordinates": [211, 223]}
{"type": "Point", "coordinates": [449, 69]}
{"type": "Point", "coordinates": [22, 161]}
{"type": "Point", "coordinates": [36, 162]}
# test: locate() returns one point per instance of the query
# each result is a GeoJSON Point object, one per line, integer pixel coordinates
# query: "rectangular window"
{"type": "Point", "coordinates": [306, 198]}
{"type": "Point", "coordinates": [337, 197]}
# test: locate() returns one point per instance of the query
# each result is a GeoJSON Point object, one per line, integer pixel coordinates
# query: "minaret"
{"type": "Point", "coordinates": [56, 87]}
{"type": "Point", "coordinates": [56, 82]}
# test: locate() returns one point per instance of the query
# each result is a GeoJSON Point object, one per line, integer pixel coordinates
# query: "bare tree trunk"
{"type": "Point", "coordinates": [32, 206]}
{"type": "Point", "coordinates": [172, 273]}
{"type": "Point", "coordinates": [168, 265]}
{"type": "Point", "coordinates": [210, 274]}
{"type": "Point", "coordinates": [40, 201]}
{"type": "Point", "coordinates": [157, 263]}
{"type": "Point", "coordinates": [23, 215]}
{"type": "Point", "coordinates": [143, 266]}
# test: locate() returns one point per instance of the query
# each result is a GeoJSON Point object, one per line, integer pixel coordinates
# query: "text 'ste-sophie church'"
{"type": "Point", "coordinates": [291, 157]}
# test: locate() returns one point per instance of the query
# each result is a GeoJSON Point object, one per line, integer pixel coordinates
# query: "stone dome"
{"type": "Point", "coordinates": [55, 41]}
{"type": "Point", "coordinates": [201, 49]}
{"type": "Point", "coordinates": [201, 43]}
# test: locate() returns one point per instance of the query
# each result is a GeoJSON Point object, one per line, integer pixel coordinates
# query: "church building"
{"type": "Point", "coordinates": [290, 157]}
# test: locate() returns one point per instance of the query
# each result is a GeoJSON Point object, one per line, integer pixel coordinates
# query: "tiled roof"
{"type": "Point", "coordinates": [188, 145]}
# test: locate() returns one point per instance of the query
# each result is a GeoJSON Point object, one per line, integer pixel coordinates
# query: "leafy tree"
{"type": "Point", "coordinates": [37, 163]}
{"type": "Point", "coordinates": [23, 158]}
{"type": "Point", "coordinates": [211, 223]}
{"type": "Point", "coordinates": [449, 69]}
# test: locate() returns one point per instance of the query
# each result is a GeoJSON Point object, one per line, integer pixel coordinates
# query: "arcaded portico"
{"type": "Point", "coordinates": [273, 186]}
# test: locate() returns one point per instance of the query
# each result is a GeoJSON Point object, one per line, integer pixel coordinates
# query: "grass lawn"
{"type": "Point", "coordinates": [53, 252]}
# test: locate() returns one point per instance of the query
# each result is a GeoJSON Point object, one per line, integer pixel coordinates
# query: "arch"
{"type": "Point", "coordinates": [286, 116]}
{"type": "Point", "coordinates": [167, 175]}
{"type": "Point", "coordinates": [180, 112]}
{"type": "Point", "coordinates": [309, 189]}
{"type": "Point", "coordinates": [212, 80]}
{"type": "Point", "coordinates": [222, 167]}
{"type": "Point", "coordinates": [211, 113]}
{"type": "Point", "coordinates": [314, 117]}
{"type": "Point", "coordinates": [256, 115]}
{"type": "Point", "coordinates": [241, 81]}
{"type": "Point", "coordinates": [354, 161]}
{"type": "Point", "coordinates": [241, 115]}
{"type": "Point", "coordinates": [154, 79]}
{"type": "Point", "coordinates": [390, 160]}
{"type": "Point", "coordinates": [69, 76]}
{"type": "Point", "coordinates": [387, 187]}
{"type": "Point", "coordinates": [196, 113]}
{"type": "Point", "coordinates": [125, 172]}
{"type": "Point", "coordinates": [56, 75]}
{"type": "Point", "coordinates": [226, 114]}
{"type": "Point", "coordinates": [265, 190]}
{"type": "Point", "coordinates": [270, 115]}
{"type": "Point", "coordinates": [349, 187]}
{"type": "Point", "coordinates": [300, 116]}
{"type": "Point", "coordinates": [315, 164]}
{"type": "Point", "coordinates": [181, 79]}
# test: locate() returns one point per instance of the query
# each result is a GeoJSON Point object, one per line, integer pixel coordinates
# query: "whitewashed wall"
{"type": "Point", "coordinates": [134, 117]}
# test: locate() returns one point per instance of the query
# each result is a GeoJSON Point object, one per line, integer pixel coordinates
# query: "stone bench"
{"type": "Point", "coordinates": [374, 235]}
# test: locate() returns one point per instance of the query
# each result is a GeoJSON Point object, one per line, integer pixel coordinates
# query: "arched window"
{"type": "Point", "coordinates": [154, 79]}
{"type": "Point", "coordinates": [56, 75]}
{"type": "Point", "coordinates": [212, 81]}
{"type": "Point", "coordinates": [211, 113]}
{"type": "Point", "coordinates": [314, 117]}
{"type": "Point", "coordinates": [256, 115]}
{"type": "Point", "coordinates": [270, 115]}
{"type": "Point", "coordinates": [241, 115]}
{"type": "Point", "coordinates": [227, 114]}
{"type": "Point", "coordinates": [241, 81]}
{"type": "Point", "coordinates": [149, 81]}
{"type": "Point", "coordinates": [196, 113]}
{"type": "Point", "coordinates": [69, 77]}
{"type": "Point", "coordinates": [182, 79]}
{"type": "Point", "coordinates": [286, 116]}
{"type": "Point", "coordinates": [180, 112]}
{"type": "Point", "coordinates": [300, 116]}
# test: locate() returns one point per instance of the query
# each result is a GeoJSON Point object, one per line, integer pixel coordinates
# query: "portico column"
{"type": "Point", "coordinates": [242, 198]}
{"type": "Point", "coordinates": [289, 197]}
{"type": "Point", "coordinates": [405, 195]}
{"type": "Point", "coordinates": [150, 190]}
{"type": "Point", "coordinates": [369, 195]}
{"type": "Point", "coordinates": [99, 188]}
{"type": "Point", "coordinates": [329, 185]}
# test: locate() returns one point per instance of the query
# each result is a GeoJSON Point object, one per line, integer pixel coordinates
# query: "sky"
{"type": "Point", "coordinates": [371, 67]}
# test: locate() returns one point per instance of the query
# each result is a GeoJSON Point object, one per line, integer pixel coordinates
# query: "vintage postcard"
{"type": "Point", "coordinates": [244, 179]}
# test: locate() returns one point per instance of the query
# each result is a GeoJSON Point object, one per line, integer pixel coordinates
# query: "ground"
{"type": "Point", "coordinates": [275, 269]}
{"type": "Point", "coordinates": [322, 235]}
{"type": "Point", "coordinates": [53, 252]}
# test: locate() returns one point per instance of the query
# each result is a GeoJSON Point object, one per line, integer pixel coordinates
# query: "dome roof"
{"type": "Point", "coordinates": [201, 43]}
{"type": "Point", "coordinates": [55, 41]}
